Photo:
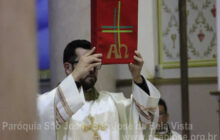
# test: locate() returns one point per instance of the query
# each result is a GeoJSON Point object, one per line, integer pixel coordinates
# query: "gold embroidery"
{"type": "Point", "coordinates": [147, 113]}
{"type": "Point", "coordinates": [64, 102]}
{"type": "Point", "coordinates": [113, 49]}
{"type": "Point", "coordinates": [117, 52]}
{"type": "Point", "coordinates": [94, 128]}
{"type": "Point", "coordinates": [150, 109]}
{"type": "Point", "coordinates": [126, 50]}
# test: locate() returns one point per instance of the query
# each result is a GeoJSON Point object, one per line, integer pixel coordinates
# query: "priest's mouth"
{"type": "Point", "coordinates": [91, 77]}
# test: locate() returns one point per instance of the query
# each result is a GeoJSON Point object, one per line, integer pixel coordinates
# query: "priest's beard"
{"type": "Point", "coordinates": [88, 82]}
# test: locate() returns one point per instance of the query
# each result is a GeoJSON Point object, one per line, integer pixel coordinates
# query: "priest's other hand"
{"type": "Point", "coordinates": [135, 68]}
{"type": "Point", "coordinates": [87, 62]}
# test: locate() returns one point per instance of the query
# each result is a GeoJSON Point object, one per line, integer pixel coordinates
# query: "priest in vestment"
{"type": "Point", "coordinates": [75, 110]}
{"type": "Point", "coordinates": [163, 131]}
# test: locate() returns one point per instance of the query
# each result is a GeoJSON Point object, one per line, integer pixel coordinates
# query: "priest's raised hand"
{"type": "Point", "coordinates": [135, 68]}
{"type": "Point", "coordinates": [87, 62]}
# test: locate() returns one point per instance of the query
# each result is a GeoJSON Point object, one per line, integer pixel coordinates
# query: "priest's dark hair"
{"type": "Point", "coordinates": [162, 103]}
{"type": "Point", "coordinates": [69, 54]}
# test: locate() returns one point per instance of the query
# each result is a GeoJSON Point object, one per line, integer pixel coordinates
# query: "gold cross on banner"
{"type": "Point", "coordinates": [117, 30]}
{"type": "Point", "coordinates": [94, 128]}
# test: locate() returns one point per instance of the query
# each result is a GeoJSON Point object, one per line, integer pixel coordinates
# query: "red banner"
{"type": "Point", "coordinates": [114, 29]}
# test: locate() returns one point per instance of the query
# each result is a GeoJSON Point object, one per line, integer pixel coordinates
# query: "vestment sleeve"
{"type": "Point", "coordinates": [68, 99]}
{"type": "Point", "coordinates": [146, 104]}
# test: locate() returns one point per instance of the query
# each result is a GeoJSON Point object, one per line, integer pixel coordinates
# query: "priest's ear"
{"type": "Point", "coordinates": [68, 68]}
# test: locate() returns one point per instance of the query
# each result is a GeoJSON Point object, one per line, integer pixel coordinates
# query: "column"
{"type": "Point", "coordinates": [18, 70]}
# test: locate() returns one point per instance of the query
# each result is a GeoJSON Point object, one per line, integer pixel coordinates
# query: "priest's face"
{"type": "Point", "coordinates": [89, 80]}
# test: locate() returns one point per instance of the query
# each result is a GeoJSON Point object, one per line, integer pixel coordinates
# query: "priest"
{"type": "Point", "coordinates": [163, 131]}
{"type": "Point", "coordinates": [75, 110]}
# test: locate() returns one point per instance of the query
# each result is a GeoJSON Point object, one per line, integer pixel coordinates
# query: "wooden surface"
{"type": "Point", "coordinates": [18, 70]}
{"type": "Point", "coordinates": [184, 66]}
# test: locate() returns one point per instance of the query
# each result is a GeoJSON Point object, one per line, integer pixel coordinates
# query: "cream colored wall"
{"type": "Point", "coordinates": [68, 20]}
{"type": "Point", "coordinates": [203, 110]}
{"type": "Point", "coordinates": [106, 78]}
